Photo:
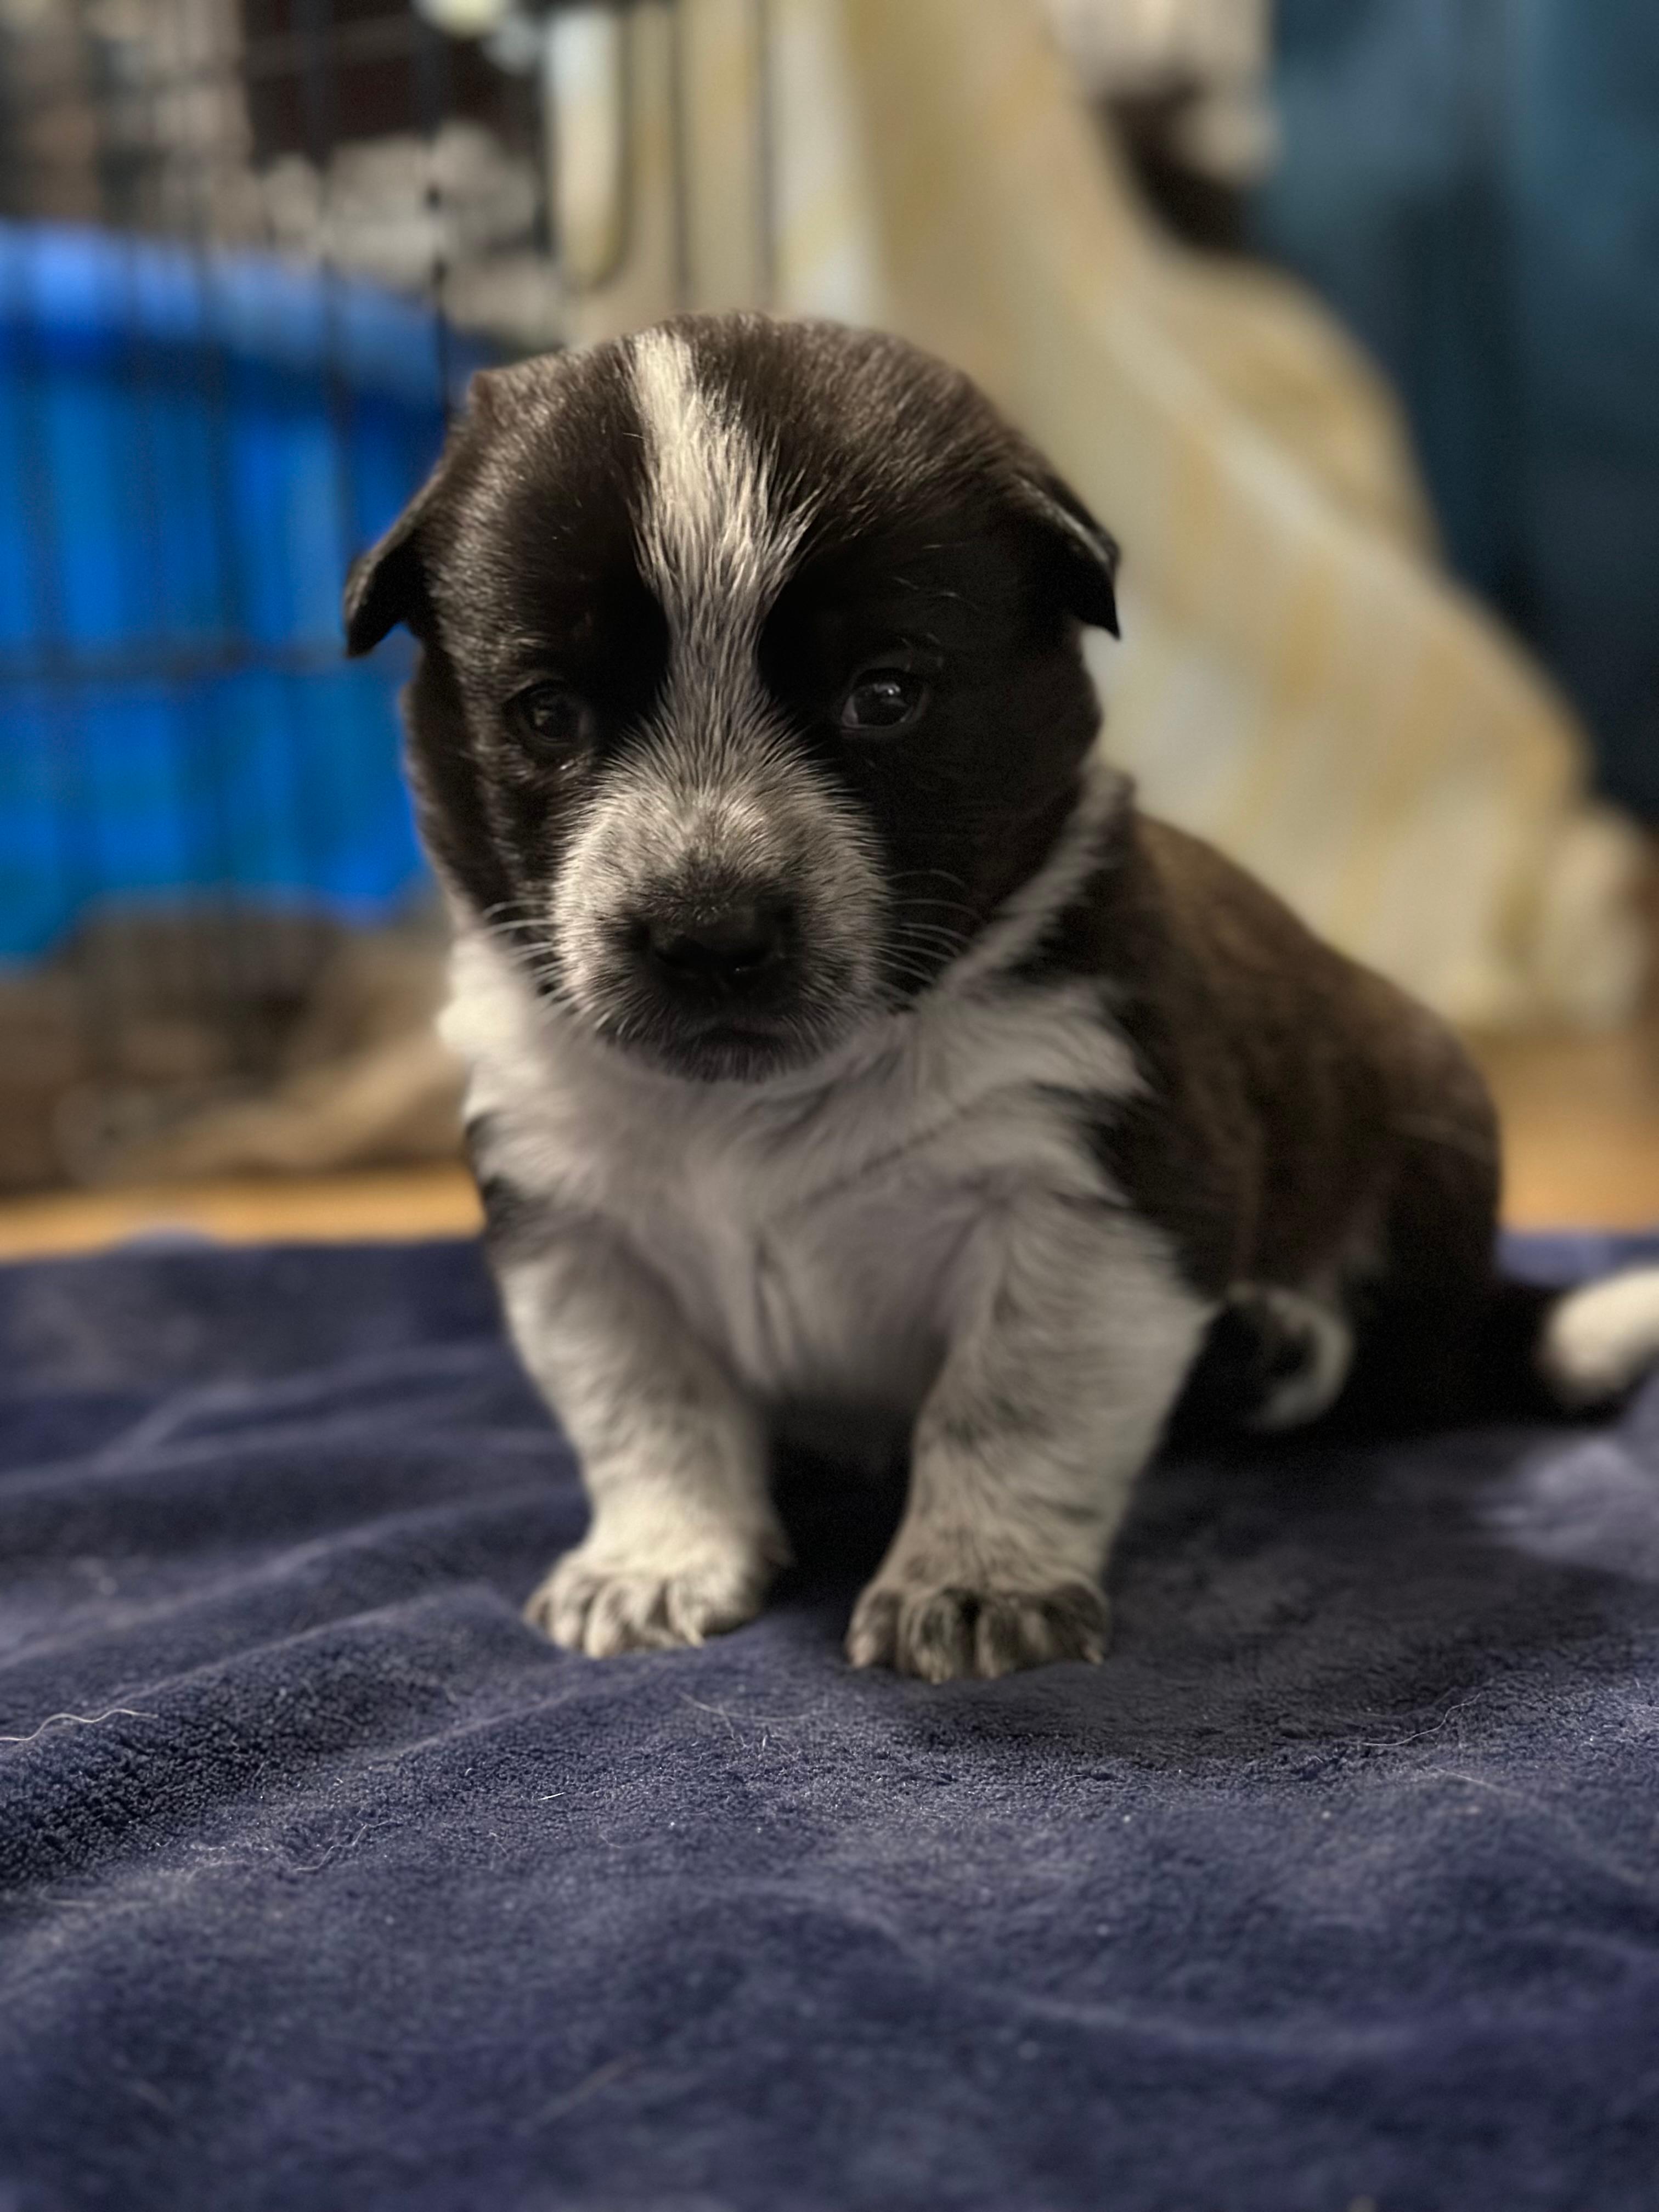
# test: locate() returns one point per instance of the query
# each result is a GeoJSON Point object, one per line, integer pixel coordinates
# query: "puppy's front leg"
{"type": "Point", "coordinates": [1073, 1340]}
{"type": "Point", "coordinates": [684, 1540]}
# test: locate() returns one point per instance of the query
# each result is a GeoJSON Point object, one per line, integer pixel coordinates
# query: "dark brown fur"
{"type": "Point", "coordinates": [1304, 1121]}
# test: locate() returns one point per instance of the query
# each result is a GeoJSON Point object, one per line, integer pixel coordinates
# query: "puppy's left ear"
{"type": "Point", "coordinates": [1088, 555]}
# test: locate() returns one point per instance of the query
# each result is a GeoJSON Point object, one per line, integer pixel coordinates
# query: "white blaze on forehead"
{"type": "Point", "coordinates": [717, 791]}
{"type": "Point", "coordinates": [715, 545]}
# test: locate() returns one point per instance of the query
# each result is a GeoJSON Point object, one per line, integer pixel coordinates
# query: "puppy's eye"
{"type": "Point", "coordinates": [884, 700]}
{"type": "Point", "coordinates": [554, 720]}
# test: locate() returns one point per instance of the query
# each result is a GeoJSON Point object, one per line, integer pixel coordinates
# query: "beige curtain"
{"type": "Point", "coordinates": [1296, 679]}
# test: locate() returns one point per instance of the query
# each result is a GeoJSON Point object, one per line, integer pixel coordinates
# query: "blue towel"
{"type": "Point", "coordinates": [327, 1884]}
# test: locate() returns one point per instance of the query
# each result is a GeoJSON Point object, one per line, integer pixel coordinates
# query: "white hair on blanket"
{"type": "Point", "coordinates": [79, 1720]}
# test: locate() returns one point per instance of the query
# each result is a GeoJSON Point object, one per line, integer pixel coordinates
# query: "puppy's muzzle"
{"type": "Point", "coordinates": [727, 934]}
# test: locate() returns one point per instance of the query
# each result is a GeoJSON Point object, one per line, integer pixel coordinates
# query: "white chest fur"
{"type": "Point", "coordinates": [813, 1231]}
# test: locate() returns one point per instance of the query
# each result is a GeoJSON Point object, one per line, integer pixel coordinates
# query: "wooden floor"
{"type": "Point", "coordinates": [390, 1203]}
{"type": "Point", "coordinates": [1581, 1120]}
{"type": "Point", "coordinates": [1580, 1127]}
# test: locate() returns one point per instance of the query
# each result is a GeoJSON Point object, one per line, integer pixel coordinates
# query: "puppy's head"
{"type": "Point", "coordinates": [752, 683]}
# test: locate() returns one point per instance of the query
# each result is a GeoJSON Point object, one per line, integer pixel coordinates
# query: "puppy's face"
{"type": "Point", "coordinates": [752, 683]}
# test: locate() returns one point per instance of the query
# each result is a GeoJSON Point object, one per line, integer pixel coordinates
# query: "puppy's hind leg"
{"type": "Point", "coordinates": [1274, 1359]}
{"type": "Point", "coordinates": [1306, 1350]}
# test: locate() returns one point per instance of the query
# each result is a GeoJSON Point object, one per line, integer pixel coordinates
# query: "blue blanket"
{"type": "Point", "coordinates": [327, 1884]}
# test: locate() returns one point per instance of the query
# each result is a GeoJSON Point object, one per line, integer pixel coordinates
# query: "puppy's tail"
{"type": "Point", "coordinates": [1522, 1353]}
{"type": "Point", "coordinates": [1570, 1351]}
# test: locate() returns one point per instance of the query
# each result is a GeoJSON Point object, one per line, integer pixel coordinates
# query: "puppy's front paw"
{"type": "Point", "coordinates": [601, 1600]}
{"type": "Point", "coordinates": [940, 1629]}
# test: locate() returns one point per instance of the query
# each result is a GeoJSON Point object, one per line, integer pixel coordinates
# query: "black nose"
{"type": "Point", "coordinates": [719, 945]}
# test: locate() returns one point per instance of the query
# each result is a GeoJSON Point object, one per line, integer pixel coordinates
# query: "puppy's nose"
{"type": "Point", "coordinates": [725, 944]}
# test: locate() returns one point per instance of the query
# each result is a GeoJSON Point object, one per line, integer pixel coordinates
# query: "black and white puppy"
{"type": "Point", "coordinates": [843, 1043]}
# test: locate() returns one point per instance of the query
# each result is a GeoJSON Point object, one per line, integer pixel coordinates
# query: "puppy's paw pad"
{"type": "Point", "coordinates": [943, 1633]}
{"type": "Point", "coordinates": [606, 1606]}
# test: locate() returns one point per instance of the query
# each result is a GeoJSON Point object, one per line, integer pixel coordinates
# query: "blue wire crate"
{"type": "Point", "coordinates": [192, 448]}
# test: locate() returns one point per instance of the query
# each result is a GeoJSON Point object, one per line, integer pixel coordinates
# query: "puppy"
{"type": "Point", "coordinates": [842, 1042]}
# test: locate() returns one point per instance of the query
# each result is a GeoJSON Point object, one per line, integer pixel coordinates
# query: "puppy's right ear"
{"type": "Point", "coordinates": [386, 585]}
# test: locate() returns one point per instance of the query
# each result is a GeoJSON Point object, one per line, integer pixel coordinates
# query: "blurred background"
{"type": "Point", "coordinates": [1344, 314]}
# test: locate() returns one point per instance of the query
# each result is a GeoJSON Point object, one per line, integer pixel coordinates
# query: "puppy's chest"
{"type": "Point", "coordinates": [823, 1237]}
{"type": "Point", "coordinates": [824, 1243]}
{"type": "Point", "coordinates": [825, 1270]}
